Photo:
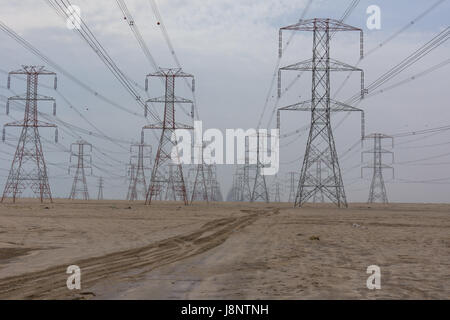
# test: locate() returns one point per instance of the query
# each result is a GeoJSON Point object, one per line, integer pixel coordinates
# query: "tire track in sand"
{"type": "Point", "coordinates": [51, 283]}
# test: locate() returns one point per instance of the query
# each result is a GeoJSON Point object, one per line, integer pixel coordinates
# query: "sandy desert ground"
{"type": "Point", "coordinates": [223, 251]}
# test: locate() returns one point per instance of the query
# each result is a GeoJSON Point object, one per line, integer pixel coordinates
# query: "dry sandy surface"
{"type": "Point", "coordinates": [223, 251]}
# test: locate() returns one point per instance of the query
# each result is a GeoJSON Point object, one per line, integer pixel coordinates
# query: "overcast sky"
{"type": "Point", "coordinates": [231, 47]}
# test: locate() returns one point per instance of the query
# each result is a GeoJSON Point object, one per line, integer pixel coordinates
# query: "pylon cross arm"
{"type": "Point", "coordinates": [320, 24]}
{"type": "Point", "coordinates": [38, 97]}
{"type": "Point", "coordinates": [161, 126]}
{"type": "Point", "coordinates": [335, 106]}
{"type": "Point", "coordinates": [167, 72]}
{"type": "Point", "coordinates": [31, 124]}
{"type": "Point", "coordinates": [163, 99]}
{"type": "Point", "coordinates": [333, 65]}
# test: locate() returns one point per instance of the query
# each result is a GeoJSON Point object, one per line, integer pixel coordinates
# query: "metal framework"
{"type": "Point", "coordinates": [292, 179]}
{"type": "Point", "coordinates": [137, 189]}
{"type": "Point", "coordinates": [199, 187]}
{"type": "Point", "coordinates": [260, 191]}
{"type": "Point", "coordinates": [79, 185]}
{"type": "Point", "coordinates": [159, 179]}
{"type": "Point", "coordinates": [28, 168]}
{"type": "Point", "coordinates": [377, 193]}
{"type": "Point", "coordinates": [212, 184]}
{"type": "Point", "coordinates": [131, 172]}
{"type": "Point", "coordinates": [276, 190]}
{"type": "Point", "coordinates": [318, 196]}
{"type": "Point", "coordinates": [320, 146]}
{"type": "Point", "coordinates": [236, 192]}
{"type": "Point", "coordinates": [100, 189]}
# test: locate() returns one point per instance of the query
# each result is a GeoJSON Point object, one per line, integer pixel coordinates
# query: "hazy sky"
{"type": "Point", "coordinates": [231, 47]}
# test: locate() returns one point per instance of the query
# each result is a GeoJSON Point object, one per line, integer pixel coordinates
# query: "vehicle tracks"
{"type": "Point", "coordinates": [51, 283]}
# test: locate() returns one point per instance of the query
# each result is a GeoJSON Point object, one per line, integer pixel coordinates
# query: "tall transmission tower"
{"type": "Point", "coordinates": [292, 184]}
{"type": "Point", "coordinates": [175, 180]}
{"type": "Point", "coordinates": [212, 184]}
{"type": "Point", "coordinates": [28, 168]}
{"type": "Point", "coordinates": [131, 194]}
{"type": "Point", "coordinates": [84, 161]}
{"type": "Point", "coordinates": [100, 189]}
{"type": "Point", "coordinates": [140, 152]}
{"type": "Point", "coordinates": [260, 191]}
{"type": "Point", "coordinates": [243, 177]}
{"type": "Point", "coordinates": [236, 193]}
{"type": "Point", "coordinates": [172, 178]}
{"type": "Point", "coordinates": [318, 196]}
{"type": "Point", "coordinates": [320, 145]}
{"type": "Point", "coordinates": [377, 191]}
{"type": "Point", "coordinates": [276, 190]}
{"type": "Point", "coordinates": [248, 167]}
{"type": "Point", "coordinates": [199, 188]}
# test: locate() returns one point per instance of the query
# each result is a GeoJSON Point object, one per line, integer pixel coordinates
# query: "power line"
{"type": "Point", "coordinates": [134, 28]}
{"type": "Point", "coordinates": [72, 106]}
{"type": "Point", "coordinates": [138, 36]}
{"type": "Point", "coordinates": [396, 70]}
{"type": "Point", "coordinates": [62, 8]}
{"type": "Point", "coordinates": [389, 39]}
{"type": "Point", "coordinates": [61, 70]}
{"type": "Point", "coordinates": [160, 22]}
{"type": "Point", "coordinates": [277, 65]}
{"type": "Point", "coordinates": [416, 56]}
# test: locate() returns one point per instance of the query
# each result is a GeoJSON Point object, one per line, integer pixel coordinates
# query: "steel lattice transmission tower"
{"type": "Point", "coordinates": [241, 190]}
{"type": "Point", "coordinates": [137, 189]}
{"type": "Point", "coordinates": [28, 168]}
{"type": "Point", "coordinates": [131, 194]}
{"type": "Point", "coordinates": [199, 187]}
{"type": "Point", "coordinates": [212, 184]}
{"type": "Point", "coordinates": [260, 191]}
{"type": "Point", "coordinates": [248, 167]}
{"type": "Point", "coordinates": [377, 191]}
{"type": "Point", "coordinates": [236, 192]}
{"type": "Point", "coordinates": [318, 196]}
{"type": "Point", "coordinates": [175, 180]}
{"type": "Point", "coordinates": [320, 145]}
{"type": "Point", "coordinates": [100, 189]}
{"type": "Point", "coordinates": [292, 184]}
{"type": "Point", "coordinates": [79, 185]}
{"type": "Point", "coordinates": [276, 190]}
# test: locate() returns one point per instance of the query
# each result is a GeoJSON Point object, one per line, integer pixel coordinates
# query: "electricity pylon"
{"type": "Point", "coordinates": [292, 192]}
{"type": "Point", "coordinates": [175, 180]}
{"type": "Point", "coordinates": [320, 146]}
{"type": "Point", "coordinates": [131, 194]}
{"type": "Point", "coordinates": [212, 184]}
{"type": "Point", "coordinates": [236, 193]}
{"type": "Point", "coordinates": [100, 189]}
{"type": "Point", "coordinates": [246, 188]}
{"type": "Point", "coordinates": [28, 168]}
{"type": "Point", "coordinates": [277, 196]}
{"type": "Point", "coordinates": [138, 187]}
{"type": "Point", "coordinates": [199, 188]}
{"type": "Point", "coordinates": [79, 185]}
{"type": "Point", "coordinates": [377, 191]}
{"type": "Point", "coordinates": [318, 196]}
{"type": "Point", "coordinates": [260, 187]}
